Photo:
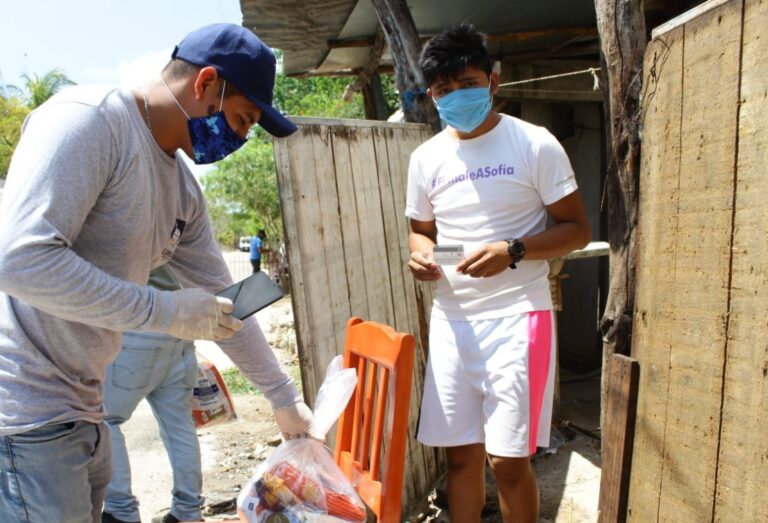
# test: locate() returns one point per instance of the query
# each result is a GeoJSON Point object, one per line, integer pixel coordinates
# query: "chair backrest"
{"type": "Point", "coordinates": [372, 433]}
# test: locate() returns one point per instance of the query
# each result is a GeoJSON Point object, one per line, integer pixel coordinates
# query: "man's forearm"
{"type": "Point", "coordinates": [418, 242]}
{"type": "Point", "coordinates": [556, 241]}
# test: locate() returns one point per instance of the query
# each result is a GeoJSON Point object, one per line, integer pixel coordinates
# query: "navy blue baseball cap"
{"type": "Point", "coordinates": [244, 61]}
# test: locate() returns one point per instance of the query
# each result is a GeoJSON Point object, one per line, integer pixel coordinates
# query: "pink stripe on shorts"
{"type": "Point", "coordinates": [490, 381]}
{"type": "Point", "coordinates": [539, 355]}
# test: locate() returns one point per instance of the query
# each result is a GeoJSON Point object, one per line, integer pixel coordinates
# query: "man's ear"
{"type": "Point", "coordinates": [429, 94]}
{"type": "Point", "coordinates": [494, 82]}
{"type": "Point", "coordinates": [207, 78]}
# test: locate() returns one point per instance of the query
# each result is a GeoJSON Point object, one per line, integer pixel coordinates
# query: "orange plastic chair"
{"type": "Point", "coordinates": [377, 413]}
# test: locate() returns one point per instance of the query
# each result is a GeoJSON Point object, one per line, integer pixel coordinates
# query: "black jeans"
{"type": "Point", "coordinates": [256, 264]}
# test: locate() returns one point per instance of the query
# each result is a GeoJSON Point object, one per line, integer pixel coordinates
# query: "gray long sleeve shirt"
{"type": "Point", "coordinates": [91, 205]}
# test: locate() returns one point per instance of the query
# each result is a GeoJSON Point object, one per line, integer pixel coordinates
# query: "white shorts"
{"type": "Point", "coordinates": [490, 381]}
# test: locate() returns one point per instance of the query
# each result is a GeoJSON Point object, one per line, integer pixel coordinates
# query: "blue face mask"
{"type": "Point", "coordinates": [212, 137]}
{"type": "Point", "coordinates": [465, 109]}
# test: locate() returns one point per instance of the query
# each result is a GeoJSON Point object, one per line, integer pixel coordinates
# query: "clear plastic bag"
{"type": "Point", "coordinates": [210, 400]}
{"type": "Point", "coordinates": [300, 482]}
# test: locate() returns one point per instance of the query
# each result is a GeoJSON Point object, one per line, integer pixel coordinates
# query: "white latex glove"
{"type": "Point", "coordinates": [296, 422]}
{"type": "Point", "coordinates": [200, 315]}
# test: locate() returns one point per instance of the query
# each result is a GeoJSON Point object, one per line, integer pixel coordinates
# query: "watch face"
{"type": "Point", "coordinates": [517, 248]}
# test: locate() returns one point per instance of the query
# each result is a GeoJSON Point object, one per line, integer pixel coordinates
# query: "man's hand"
{"type": "Point", "coordinates": [423, 268]}
{"type": "Point", "coordinates": [296, 421]}
{"type": "Point", "coordinates": [487, 261]}
{"type": "Point", "coordinates": [199, 315]}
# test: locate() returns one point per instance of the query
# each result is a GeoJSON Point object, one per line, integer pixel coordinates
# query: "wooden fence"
{"type": "Point", "coordinates": [342, 190]}
{"type": "Point", "coordinates": [700, 327]}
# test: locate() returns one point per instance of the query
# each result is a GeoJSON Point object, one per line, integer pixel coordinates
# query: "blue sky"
{"type": "Point", "coordinates": [117, 42]}
{"type": "Point", "coordinates": [100, 41]}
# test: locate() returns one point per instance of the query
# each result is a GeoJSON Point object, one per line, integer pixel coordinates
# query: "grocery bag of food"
{"type": "Point", "coordinates": [210, 401]}
{"type": "Point", "coordinates": [300, 482]}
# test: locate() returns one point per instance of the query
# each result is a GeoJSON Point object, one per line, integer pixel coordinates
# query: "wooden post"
{"type": "Point", "coordinates": [373, 100]}
{"type": "Point", "coordinates": [621, 24]}
{"type": "Point", "coordinates": [403, 37]}
{"type": "Point", "coordinates": [622, 376]}
{"type": "Point", "coordinates": [369, 82]}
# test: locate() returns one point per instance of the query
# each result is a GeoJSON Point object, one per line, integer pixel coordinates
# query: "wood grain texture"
{"type": "Point", "coordinates": [657, 237]}
{"type": "Point", "coordinates": [743, 458]}
{"type": "Point", "coordinates": [617, 438]}
{"type": "Point", "coordinates": [710, 79]}
{"type": "Point", "coordinates": [621, 24]}
{"type": "Point", "coordinates": [681, 323]}
{"type": "Point", "coordinates": [300, 28]}
{"type": "Point", "coordinates": [342, 191]}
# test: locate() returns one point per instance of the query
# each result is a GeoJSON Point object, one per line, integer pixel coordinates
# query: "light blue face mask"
{"type": "Point", "coordinates": [465, 109]}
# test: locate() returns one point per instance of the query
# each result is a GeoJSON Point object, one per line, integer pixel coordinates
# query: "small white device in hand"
{"type": "Point", "coordinates": [448, 254]}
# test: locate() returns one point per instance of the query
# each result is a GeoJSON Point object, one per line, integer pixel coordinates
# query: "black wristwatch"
{"type": "Point", "coordinates": [516, 250]}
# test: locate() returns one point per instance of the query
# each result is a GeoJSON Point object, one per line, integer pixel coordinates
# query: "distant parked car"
{"type": "Point", "coordinates": [244, 244]}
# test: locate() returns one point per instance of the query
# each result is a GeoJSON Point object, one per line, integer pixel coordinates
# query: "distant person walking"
{"type": "Point", "coordinates": [257, 245]}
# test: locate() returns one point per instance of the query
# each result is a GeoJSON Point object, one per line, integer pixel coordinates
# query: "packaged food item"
{"type": "Point", "coordinates": [210, 401]}
{"type": "Point", "coordinates": [300, 482]}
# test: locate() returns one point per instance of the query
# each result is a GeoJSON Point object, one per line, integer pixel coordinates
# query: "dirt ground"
{"type": "Point", "coordinates": [569, 477]}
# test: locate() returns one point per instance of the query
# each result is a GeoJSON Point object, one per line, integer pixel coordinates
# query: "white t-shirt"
{"type": "Point", "coordinates": [491, 188]}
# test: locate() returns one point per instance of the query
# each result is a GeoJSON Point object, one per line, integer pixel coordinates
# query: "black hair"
{"type": "Point", "coordinates": [178, 69]}
{"type": "Point", "coordinates": [445, 55]}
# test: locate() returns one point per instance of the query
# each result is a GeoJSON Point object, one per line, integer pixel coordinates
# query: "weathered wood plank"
{"type": "Point", "coordinates": [711, 69]}
{"type": "Point", "coordinates": [331, 243]}
{"type": "Point", "coordinates": [291, 197]}
{"type": "Point", "coordinates": [312, 249]}
{"type": "Point", "coordinates": [743, 459]}
{"type": "Point", "coordinates": [403, 39]}
{"type": "Point", "coordinates": [369, 215]}
{"type": "Point", "coordinates": [352, 252]}
{"type": "Point", "coordinates": [392, 232]}
{"type": "Point", "coordinates": [399, 148]}
{"type": "Point", "coordinates": [617, 438]}
{"type": "Point", "coordinates": [343, 196]}
{"type": "Point", "coordinates": [686, 17]}
{"type": "Point", "coordinates": [656, 262]}
{"type": "Point", "coordinates": [623, 41]}
{"type": "Point", "coordinates": [366, 124]}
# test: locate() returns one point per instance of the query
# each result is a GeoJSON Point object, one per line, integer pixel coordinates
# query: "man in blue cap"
{"type": "Point", "coordinates": [96, 197]}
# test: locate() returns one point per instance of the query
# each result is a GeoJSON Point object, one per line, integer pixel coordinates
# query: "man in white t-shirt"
{"type": "Point", "coordinates": [479, 194]}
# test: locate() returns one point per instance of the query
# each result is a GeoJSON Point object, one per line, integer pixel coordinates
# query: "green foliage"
{"type": "Point", "coordinates": [39, 89]}
{"type": "Point", "coordinates": [242, 192]}
{"type": "Point", "coordinates": [237, 383]}
{"type": "Point", "coordinates": [12, 114]}
{"type": "Point", "coordinates": [389, 88]}
{"type": "Point", "coordinates": [316, 96]}
{"type": "Point", "coordinates": [16, 103]}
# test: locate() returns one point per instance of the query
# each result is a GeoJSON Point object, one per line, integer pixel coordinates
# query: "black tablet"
{"type": "Point", "coordinates": [252, 294]}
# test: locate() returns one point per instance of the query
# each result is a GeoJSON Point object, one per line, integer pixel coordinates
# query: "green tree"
{"type": "Point", "coordinates": [242, 192]}
{"type": "Point", "coordinates": [12, 114]}
{"type": "Point", "coordinates": [16, 103]}
{"type": "Point", "coordinates": [39, 89]}
{"type": "Point", "coordinates": [317, 96]}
